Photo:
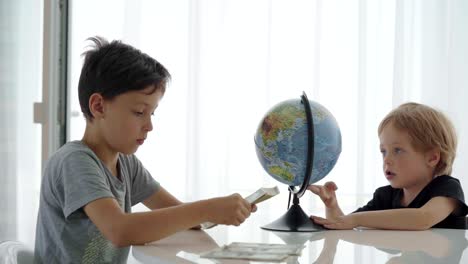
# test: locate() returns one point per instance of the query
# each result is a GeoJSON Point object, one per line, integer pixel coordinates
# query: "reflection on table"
{"type": "Point", "coordinates": [332, 246]}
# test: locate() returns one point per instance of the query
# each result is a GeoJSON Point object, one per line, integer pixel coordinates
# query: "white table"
{"type": "Point", "coordinates": [348, 246]}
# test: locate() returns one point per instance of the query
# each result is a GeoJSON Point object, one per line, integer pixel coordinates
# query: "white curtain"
{"type": "Point", "coordinates": [20, 138]}
{"type": "Point", "coordinates": [232, 60]}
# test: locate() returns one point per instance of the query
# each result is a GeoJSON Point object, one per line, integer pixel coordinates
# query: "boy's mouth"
{"type": "Point", "coordinates": [389, 175]}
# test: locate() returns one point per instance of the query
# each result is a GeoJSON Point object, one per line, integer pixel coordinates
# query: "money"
{"type": "Point", "coordinates": [223, 254]}
{"type": "Point", "coordinates": [254, 251]}
{"type": "Point", "coordinates": [293, 249]}
{"type": "Point", "coordinates": [262, 194]}
{"type": "Point", "coordinates": [258, 196]}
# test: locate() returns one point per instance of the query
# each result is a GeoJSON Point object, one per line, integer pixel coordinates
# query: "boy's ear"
{"type": "Point", "coordinates": [96, 105]}
{"type": "Point", "coordinates": [433, 157]}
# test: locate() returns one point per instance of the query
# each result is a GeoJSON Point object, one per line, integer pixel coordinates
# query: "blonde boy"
{"type": "Point", "coordinates": [418, 146]}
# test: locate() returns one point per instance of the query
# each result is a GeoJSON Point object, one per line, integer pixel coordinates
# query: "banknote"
{"type": "Point", "coordinates": [290, 249]}
{"type": "Point", "coordinates": [222, 253]}
{"type": "Point", "coordinates": [254, 251]}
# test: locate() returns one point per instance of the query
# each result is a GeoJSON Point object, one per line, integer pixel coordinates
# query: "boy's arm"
{"type": "Point", "coordinates": [333, 212]}
{"type": "Point", "coordinates": [327, 194]}
{"type": "Point", "coordinates": [124, 229]}
{"type": "Point", "coordinates": [161, 199]}
{"type": "Point", "coordinates": [434, 211]}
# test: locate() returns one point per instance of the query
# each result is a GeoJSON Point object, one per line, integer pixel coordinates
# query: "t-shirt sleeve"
{"type": "Point", "coordinates": [80, 182]}
{"type": "Point", "coordinates": [450, 187]}
{"type": "Point", "coordinates": [143, 184]}
{"type": "Point", "coordinates": [378, 201]}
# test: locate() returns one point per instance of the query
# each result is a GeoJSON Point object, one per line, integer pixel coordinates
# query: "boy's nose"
{"type": "Point", "coordinates": [149, 126]}
{"type": "Point", "coordinates": [387, 160]}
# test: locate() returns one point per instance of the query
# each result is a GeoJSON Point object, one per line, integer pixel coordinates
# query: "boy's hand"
{"type": "Point", "coordinates": [341, 222]}
{"type": "Point", "coordinates": [230, 210]}
{"type": "Point", "coordinates": [253, 208]}
{"type": "Point", "coordinates": [326, 192]}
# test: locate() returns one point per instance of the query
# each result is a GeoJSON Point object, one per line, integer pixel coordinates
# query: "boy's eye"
{"type": "Point", "coordinates": [138, 113]}
{"type": "Point", "coordinates": [398, 150]}
{"type": "Point", "coordinates": [383, 152]}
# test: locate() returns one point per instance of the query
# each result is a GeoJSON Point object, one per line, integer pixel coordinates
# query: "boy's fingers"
{"type": "Point", "coordinates": [316, 217]}
{"type": "Point", "coordinates": [320, 191]}
{"type": "Point", "coordinates": [316, 189]}
{"type": "Point", "coordinates": [246, 204]}
{"type": "Point", "coordinates": [245, 212]}
{"type": "Point", "coordinates": [254, 208]}
{"type": "Point", "coordinates": [331, 185]}
{"type": "Point", "coordinates": [320, 220]}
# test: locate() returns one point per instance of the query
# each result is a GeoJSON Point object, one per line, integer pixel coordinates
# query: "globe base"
{"type": "Point", "coordinates": [294, 220]}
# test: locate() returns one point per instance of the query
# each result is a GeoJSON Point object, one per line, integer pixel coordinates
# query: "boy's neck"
{"type": "Point", "coordinates": [411, 192]}
{"type": "Point", "coordinates": [99, 146]}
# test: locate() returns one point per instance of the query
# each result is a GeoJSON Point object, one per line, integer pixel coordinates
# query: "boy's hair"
{"type": "Point", "coordinates": [428, 129]}
{"type": "Point", "coordinates": [114, 68]}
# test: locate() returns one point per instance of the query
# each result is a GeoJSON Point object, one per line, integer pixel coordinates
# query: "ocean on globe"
{"type": "Point", "coordinates": [281, 142]}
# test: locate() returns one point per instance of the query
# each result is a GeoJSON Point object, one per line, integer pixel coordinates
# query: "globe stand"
{"type": "Point", "coordinates": [295, 219]}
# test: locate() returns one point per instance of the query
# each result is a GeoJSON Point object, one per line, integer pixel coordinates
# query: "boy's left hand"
{"type": "Point", "coordinates": [341, 222]}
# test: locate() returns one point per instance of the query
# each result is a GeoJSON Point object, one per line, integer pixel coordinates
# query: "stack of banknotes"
{"type": "Point", "coordinates": [255, 252]}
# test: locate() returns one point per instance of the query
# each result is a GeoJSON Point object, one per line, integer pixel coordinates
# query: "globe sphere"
{"type": "Point", "coordinates": [281, 142]}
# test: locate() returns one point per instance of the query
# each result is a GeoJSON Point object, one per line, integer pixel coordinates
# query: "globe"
{"type": "Point", "coordinates": [281, 142]}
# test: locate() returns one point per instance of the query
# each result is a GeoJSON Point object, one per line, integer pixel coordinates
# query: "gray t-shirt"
{"type": "Point", "coordinates": [73, 177]}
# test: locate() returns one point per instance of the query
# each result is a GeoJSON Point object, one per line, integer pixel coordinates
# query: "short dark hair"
{"type": "Point", "coordinates": [114, 68]}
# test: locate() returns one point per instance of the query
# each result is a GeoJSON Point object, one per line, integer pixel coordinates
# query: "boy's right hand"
{"type": "Point", "coordinates": [326, 192]}
{"type": "Point", "coordinates": [230, 210]}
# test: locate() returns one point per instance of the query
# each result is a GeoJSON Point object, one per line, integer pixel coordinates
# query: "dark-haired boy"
{"type": "Point", "coordinates": [89, 186]}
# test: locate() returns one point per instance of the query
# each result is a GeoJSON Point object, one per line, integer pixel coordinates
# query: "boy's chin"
{"type": "Point", "coordinates": [395, 184]}
{"type": "Point", "coordinates": [129, 151]}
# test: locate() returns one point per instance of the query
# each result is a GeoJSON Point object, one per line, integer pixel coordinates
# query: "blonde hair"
{"type": "Point", "coordinates": [428, 129]}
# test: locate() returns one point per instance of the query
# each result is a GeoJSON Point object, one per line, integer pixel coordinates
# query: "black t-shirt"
{"type": "Point", "coordinates": [390, 198]}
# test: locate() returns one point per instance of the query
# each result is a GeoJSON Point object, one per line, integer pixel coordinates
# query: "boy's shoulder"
{"type": "Point", "coordinates": [78, 148]}
{"type": "Point", "coordinates": [72, 155]}
{"type": "Point", "coordinates": [446, 179]}
{"type": "Point", "coordinates": [76, 153]}
{"type": "Point", "coordinates": [445, 184]}
{"type": "Point", "coordinates": [73, 146]}
{"type": "Point", "coordinates": [443, 180]}
{"type": "Point", "coordinates": [70, 149]}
